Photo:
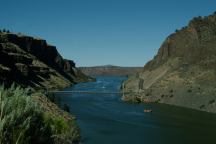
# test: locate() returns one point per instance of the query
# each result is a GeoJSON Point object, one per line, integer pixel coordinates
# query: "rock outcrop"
{"type": "Point", "coordinates": [183, 72]}
{"type": "Point", "coordinates": [32, 62]}
{"type": "Point", "coordinates": [110, 70]}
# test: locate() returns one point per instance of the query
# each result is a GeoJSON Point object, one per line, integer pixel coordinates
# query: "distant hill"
{"type": "Point", "coordinates": [110, 70]}
{"type": "Point", "coordinates": [183, 72]}
{"type": "Point", "coordinates": [32, 62]}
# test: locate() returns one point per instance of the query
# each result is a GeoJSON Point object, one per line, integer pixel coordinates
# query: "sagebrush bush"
{"type": "Point", "coordinates": [21, 119]}
{"type": "Point", "coordinates": [24, 121]}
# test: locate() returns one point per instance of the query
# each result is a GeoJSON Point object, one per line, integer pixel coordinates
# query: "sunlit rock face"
{"type": "Point", "coordinates": [183, 72]}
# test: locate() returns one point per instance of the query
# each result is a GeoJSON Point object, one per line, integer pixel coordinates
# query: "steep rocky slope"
{"type": "Point", "coordinates": [183, 72]}
{"type": "Point", "coordinates": [110, 70]}
{"type": "Point", "coordinates": [32, 62]}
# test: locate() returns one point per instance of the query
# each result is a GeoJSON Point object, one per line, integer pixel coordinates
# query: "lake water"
{"type": "Point", "coordinates": [105, 119]}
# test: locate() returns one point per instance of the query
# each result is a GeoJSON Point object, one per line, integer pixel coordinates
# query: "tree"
{"type": "Point", "coordinates": [4, 30]}
{"type": "Point", "coordinates": [8, 31]}
{"type": "Point", "coordinates": [199, 17]}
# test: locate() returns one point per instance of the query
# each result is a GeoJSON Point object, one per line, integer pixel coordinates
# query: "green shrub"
{"type": "Point", "coordinates": [157, 101]}
{"type": "Point", "coordinates": [63, 131]}
{"type": "Point", "coordinates": [21, 119]}
{"type": "Point", "coordinates": [24, 121]}
{"type": "Point", "coordinates": [202, 106]}
{"type": "Point", "coordinates": [211, 101]}
{"type": "Point", "coordinates": [171, 91]}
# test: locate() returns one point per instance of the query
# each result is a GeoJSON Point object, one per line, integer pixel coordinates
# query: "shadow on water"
{"type": "Point", "coordinates": [105, 119]}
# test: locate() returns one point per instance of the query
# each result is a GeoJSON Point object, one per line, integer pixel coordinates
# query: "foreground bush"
{"type": "Point", "coordinates": [24, 121]}
{"type": "Point", "coordinates": [21, 119]}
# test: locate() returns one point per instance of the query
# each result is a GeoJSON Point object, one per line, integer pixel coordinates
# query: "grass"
{"type": "Point", "coordinates": [24, 120]}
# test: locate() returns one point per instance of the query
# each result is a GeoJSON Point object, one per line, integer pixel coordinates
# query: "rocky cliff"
{"type": "Point", "coordinates": [32, 62]}
{"type": "Point", "coordinates": [183, 72]}
{"type": "Point", "coordinates": [110, 70]}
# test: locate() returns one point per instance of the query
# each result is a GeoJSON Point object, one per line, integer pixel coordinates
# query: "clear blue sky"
{"type": "Point", "coordinates": [100, 32]}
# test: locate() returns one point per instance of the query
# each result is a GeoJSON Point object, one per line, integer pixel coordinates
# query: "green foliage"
{"type": "Point", "coordinates": [21, 119]}
{"type": "Point", "coordinates": [211, 101]}
{"type": "Point", "coordinates": [202, 107]}
{"type": "Point", "coordinates": [157, 101]}
{"type": "Point", "coordinates": [63, 131]}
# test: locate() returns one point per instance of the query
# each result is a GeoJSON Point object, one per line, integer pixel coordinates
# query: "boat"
{"type": "Point", "coordinates": [147, 110]}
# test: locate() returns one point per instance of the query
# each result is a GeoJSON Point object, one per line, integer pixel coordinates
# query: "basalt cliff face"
{"type": "Point", "coordinates": [32, 62]}
{"type": "Point", "coordinates": [183, 72]}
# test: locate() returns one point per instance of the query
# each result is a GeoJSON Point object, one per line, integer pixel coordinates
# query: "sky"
{"type": "Point", "coordinates": [102, 32]}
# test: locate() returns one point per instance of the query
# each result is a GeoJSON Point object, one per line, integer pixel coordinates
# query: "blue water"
{"type": "Point", "coordinates": [105, 119]}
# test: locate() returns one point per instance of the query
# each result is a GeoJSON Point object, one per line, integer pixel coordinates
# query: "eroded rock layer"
{"type": "Point", "coordinates": [32, 62]}
{"type": "Point", "coordinates": [183, 72]}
